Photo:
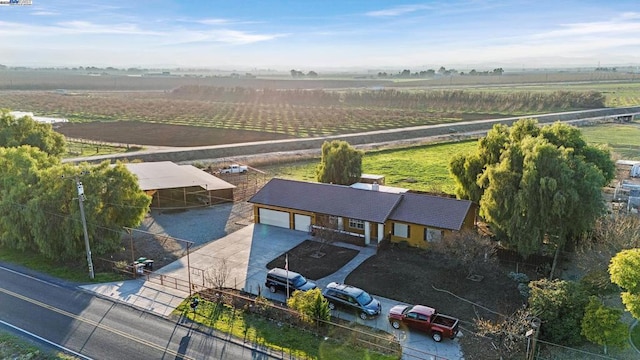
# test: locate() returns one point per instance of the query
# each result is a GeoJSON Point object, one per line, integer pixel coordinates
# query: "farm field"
{"type": "Point", "coordinates": [425, 168]}
{"type": "Point", "coordinates": [285, 118]}
{"type": "Point", "coordinates": [119, 80]}
{"type": "Point", "coordinates": [143, 133]}
{"type": "Point", "coordinates": [623, 139]}
{"type": "Point", "coordinates": [422, 168]}
{"type": "Point", "coordinates": [285, 109]}
{"type": "Point", "coordinates": [617, 94]}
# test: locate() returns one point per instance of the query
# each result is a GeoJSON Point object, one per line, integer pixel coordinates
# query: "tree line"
{"type": "Point", "coordinates": [442, 71]}
{"type": "Point", "coordinates": [442, 100]}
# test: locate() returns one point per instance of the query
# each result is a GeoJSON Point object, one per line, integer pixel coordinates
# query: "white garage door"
{"type": "Point", "coordinates": [273, 217]}
{"type": "Point", "coordinates": [302, 222]}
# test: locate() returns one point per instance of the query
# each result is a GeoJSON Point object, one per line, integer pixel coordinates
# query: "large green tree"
{"type": "Point", "coordinates": [112, 200]}
{"type": "Point", "coordinates": [560, 306]}
{"type": "Point", "coordinates": [625, 272]}
{"type": "Point", "coordinates": [20, 173]}
{"type": "Point", "coordinates": [602, 325]}
{"type": "Point", "coordinates": [340, 163]}
{"type": "Point", "coordinates": [39, 209]}
{"type": "Point", "coordinates": [26, 131]}
{"type": "Point", "coordinates": [535, 185]}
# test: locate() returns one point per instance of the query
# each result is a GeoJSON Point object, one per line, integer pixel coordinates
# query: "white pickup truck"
{"type": "Point", "coordinates": [234, 169]}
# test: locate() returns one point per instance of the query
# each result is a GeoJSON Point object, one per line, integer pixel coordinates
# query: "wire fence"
{"type": "Point", "coordinates": [339, 330]}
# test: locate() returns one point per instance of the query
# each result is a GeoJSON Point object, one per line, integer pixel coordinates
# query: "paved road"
{"type": "Point", "coordinates": [101, 329]}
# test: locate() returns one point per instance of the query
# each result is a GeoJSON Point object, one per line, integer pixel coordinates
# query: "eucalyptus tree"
{"type": "Point", "coordinates": [340, 163]}
{"type": "Point", "coordinates": [112, 200]}
{"type": "Point", "coordinates": [26, 131]}
{"type": "Point", "coordinates": [535, 185]}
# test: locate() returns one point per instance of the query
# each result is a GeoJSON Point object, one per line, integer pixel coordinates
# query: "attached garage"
{"type": "Point", "coordinates": [302, 222]}
{"type": "Point", "coordinates": [273, 217]}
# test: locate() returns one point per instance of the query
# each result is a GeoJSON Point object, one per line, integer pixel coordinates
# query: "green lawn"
{"type": "Point", "coordinates": [280, 338]}
{"type": "Point", "coordinates": [13, 347]}
{"type": "Point", "coordinates": [77, 272]}
{"type": "Point", "coordinates": [425, 168]}
{"type": "Point", "coordinates": [623, 139]}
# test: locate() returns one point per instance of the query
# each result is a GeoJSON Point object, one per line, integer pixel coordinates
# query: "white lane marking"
{"type": "Point", "coordinates": [45, 340]}
{"type": "Point", "coordinates": [29, 276]}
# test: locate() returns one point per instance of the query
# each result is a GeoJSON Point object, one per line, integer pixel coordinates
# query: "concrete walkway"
{"type": "Point", "coordinates": [246, 253]}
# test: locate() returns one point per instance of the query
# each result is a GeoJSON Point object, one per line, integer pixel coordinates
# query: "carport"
{"type": "Point", "coordinates": [179, 186]}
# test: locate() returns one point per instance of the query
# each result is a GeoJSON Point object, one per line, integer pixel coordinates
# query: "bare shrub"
{"type": "Point", "coordinates": [509, 335]}
{"type": "Point", "coordinates": [610, 235]}
{"type": "Point", "coordinates": [467, 249]}
{"type": "Point", "coordinates": [218, 274]}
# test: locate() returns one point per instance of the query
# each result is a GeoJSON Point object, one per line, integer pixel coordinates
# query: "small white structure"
{"type": "Point", "coordinates": [42, 119]}
{"type": "Point", "coordinates": [377, 187]}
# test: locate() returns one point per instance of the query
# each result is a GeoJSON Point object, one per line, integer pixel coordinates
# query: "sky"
{"type": "Point", "coordinates": [322, 34]}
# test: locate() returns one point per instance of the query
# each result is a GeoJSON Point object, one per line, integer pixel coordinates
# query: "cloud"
{"type": "Point", "coordinates": [397, 11]}
{"type": "Point", "coordinates": [44, 13]}
{"type": "Point", "coordinates": [622, 24]}
{"type": "Point", "coordinates": [225, 36]}
{"type": "Point", "coordinates": [213, 21]}
{"type": "Point", "coordinates": [85, 27]}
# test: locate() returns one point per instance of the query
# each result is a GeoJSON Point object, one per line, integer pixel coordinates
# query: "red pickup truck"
{"type": "Point", "coordinates": [424, 318]}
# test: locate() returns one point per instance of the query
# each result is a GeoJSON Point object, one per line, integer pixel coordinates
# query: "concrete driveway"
{"type": "Point", "coordinates": [246, 253]}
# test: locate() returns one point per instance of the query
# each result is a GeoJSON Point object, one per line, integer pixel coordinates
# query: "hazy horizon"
{"type": "Point", "coordinates": [319, 35]}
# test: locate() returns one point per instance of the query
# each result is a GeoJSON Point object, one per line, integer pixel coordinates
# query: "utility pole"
{"type": "Point", "coordinates": [84, 225]}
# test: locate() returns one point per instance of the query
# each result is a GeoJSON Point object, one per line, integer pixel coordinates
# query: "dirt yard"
{"type": "Point", "coordinates": [418, 277]}
{"type": "Point", "coordinates": [143, 133]}
{"type": "Point", "coordinates": [315, 259]}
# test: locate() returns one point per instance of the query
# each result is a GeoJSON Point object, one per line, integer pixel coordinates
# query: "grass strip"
{"type": "Point", "coordinates": [13, 347]}
{"type": "Point", "coordinates": [76, 272]}
{"type": "Point", "coordinates": [279, 337]}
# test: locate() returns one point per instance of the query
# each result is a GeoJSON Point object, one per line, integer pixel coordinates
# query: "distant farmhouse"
{"type": "Point", "coordinates": [363, 211]}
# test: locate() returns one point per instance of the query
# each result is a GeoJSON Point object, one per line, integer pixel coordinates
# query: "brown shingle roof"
{"type": "Point", "coordinates": [431, 211]}
{"type": "Point", "coordinates": [337, 200]}
{"type": "Point", "coordinates": [367, 205]}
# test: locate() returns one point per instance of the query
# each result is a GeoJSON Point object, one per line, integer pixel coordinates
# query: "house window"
{"type": "Point", "coordinates": [356, 224]}
{"type": "Point", "coordinates": [432, 234]}
{"type": "Point", "coordinates": [401, 230]}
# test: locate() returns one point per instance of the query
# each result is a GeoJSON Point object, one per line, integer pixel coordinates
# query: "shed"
{"type": "Point", "coordinates": [173, 185]}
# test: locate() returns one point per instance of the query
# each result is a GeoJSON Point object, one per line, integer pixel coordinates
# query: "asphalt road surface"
{"type": "Point", "coordinates": [95, 328]}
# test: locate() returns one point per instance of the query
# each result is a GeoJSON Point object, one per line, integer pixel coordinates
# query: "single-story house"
{"type": "Point", "coordinates": [373, 214]}
{"type": "Point", "coordinates": [173, 185]}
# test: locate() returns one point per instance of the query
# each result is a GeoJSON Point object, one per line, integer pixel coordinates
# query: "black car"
{"type": "Point", "coordinates": [352, 297]}
{"type": "Point", "coordinates": [277, 279]}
